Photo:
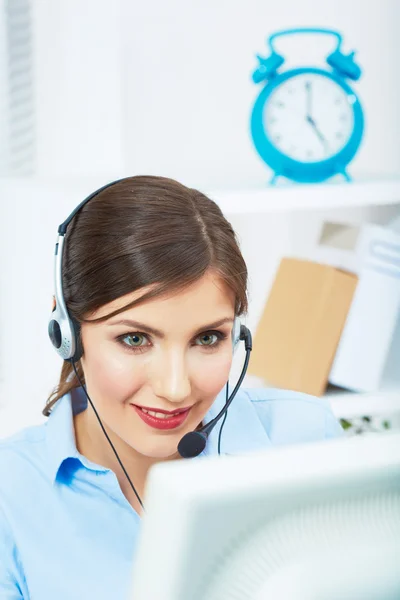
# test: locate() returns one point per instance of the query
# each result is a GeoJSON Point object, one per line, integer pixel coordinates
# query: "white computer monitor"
{"type": "Point", "coordinates": [319, 521]}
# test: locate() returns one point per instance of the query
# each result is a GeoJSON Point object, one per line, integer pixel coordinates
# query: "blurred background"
{"type": "Point", "coordinates": [93, 90]}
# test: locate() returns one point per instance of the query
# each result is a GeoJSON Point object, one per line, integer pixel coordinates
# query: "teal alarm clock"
{"type": "Point", "coordinates": [307, 123]}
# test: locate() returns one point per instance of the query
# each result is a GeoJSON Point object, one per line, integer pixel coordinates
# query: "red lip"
{"type": "Point", "coordinates": [168, 423]}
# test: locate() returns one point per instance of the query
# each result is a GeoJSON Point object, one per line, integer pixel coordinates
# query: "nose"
{"type": "Point", "coordinates": [170, 378]}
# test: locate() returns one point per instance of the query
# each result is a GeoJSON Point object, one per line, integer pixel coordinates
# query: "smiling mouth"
{"type": "Point", "coordinates": [160, 413]}
{"type": "Point", "coordinates": [162, 419]}
{"type": "Point", "coordinates": [164, 414]}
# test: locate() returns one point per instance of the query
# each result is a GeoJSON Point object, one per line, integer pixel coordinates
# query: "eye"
{"type": "Point", "coordinates": [210, 339]}
{"type": "Point", "coordinates": [134, 340]}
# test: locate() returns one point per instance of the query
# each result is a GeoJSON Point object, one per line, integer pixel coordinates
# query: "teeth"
{"type": "Point", "coordinates": [158, 415]}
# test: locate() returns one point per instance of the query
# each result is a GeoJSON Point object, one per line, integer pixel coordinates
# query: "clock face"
{"type": "Point", "coordinates": [309, 117]}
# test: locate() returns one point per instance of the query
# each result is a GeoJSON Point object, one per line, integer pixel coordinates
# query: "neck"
{"type": "Point", "coordinates": [92, 443]}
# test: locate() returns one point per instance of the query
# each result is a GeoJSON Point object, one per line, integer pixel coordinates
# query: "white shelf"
{"type": "Point", "coordinates": [347, 404]}
{"type": "Point", "coordinates": [282, 198]}
{"type": "Point", "coordinates": [287, 198]}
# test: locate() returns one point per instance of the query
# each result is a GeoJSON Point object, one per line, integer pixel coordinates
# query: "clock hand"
{"type": "Point", "coordinates": [308, 99]}
{"type": "Point", "coordinates": [309, 118]}
{"type": "Point", "coordinates": [320, 136]}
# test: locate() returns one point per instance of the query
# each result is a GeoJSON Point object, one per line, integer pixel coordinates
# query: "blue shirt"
{"type": "Point", "coordinates": [67, 531]}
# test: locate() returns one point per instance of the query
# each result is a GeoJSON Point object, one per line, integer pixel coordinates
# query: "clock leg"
{"type": "Point", "coordinates": [345, 175]}
{"type": "Point", "coordinates": [274, 179]}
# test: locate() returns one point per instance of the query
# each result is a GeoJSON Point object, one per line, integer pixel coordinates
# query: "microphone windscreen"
{"type": "Point", "coordinates": [192, 444]}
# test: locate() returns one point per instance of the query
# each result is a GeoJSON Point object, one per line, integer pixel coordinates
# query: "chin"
{"type": "Point", "coordinates": [161, 452]}
{"type": "Point", "coordinates": [163, 448]}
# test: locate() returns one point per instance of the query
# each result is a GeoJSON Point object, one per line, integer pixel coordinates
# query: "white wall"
{"type": "Point", "coordinates": [4, 116]}
{"type": "Point", "coordinates": [78, 87]}
{"type": "Point", "coordinates": [164, 87]}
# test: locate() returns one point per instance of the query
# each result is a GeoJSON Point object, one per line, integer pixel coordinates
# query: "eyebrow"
{"type": "Point", "coordinates": [160, 334]}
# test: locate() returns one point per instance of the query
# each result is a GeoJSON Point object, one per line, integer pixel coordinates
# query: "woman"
{"type": "Point", "coordinates": [152, 278]}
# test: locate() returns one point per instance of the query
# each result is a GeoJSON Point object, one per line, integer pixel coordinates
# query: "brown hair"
{"type": "Point", "coordinates": [144, 230]}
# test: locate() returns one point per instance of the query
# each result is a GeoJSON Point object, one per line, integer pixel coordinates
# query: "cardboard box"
{"type": "Point", "coordinates": [300, 328]}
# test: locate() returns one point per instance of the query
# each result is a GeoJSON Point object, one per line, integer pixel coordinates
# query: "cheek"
{"type": "Point", "coordinates": [112, 373]}
{"type": "Point", "coordinates": [211, 375]}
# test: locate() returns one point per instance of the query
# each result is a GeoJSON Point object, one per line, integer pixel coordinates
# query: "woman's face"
{"type": "Point", "coordinates": [172, 353]}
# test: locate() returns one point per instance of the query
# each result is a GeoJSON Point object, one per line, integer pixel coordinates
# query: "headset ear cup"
{"type": "Point", "coordinates": [76, 328]}
{"type": "Point", "coordinates": [54, 331]}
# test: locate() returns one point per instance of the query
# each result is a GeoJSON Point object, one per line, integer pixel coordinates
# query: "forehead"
{"type": "Point", "coordinates": [207, 297]}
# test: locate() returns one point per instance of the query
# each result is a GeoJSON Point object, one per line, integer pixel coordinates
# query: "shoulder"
{"type": "Point", "coordinates": [19, 457]}
{"type": "Point", "coordinates": [24, 440]}
{"type": "Point", "coordinates": [293, 417]}
{"type": "Point", "coordinates": [21, 454]}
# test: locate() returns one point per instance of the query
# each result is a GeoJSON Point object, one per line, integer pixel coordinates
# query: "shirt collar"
{"type": "Point", "coordinates": [60, 434]}
{"type": "Point", "coordinates": [243, 431]}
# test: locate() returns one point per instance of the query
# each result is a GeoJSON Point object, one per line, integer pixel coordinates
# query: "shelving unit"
{"type": "Point", "coordinates": [308, 198]}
